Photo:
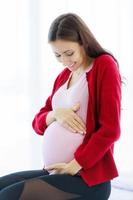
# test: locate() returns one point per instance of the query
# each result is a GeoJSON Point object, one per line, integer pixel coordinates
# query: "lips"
{"type": "Point", "coordinates": [70, 66]}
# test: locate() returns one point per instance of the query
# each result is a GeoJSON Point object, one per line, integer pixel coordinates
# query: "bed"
{"type": "Point", "coordinates": [122, 188]}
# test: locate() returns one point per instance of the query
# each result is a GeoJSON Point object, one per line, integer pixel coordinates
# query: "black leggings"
{"type": "Point", "coordinates": [39, 185]}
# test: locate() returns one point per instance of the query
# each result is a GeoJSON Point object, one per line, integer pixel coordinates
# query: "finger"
{"type": "Point", "coordinates": [55, 166]}
{"type": "Point", "coordinates": [79, 120]}
{"type": "Point", "coordinates": [77, 126]}
{"type": "Point", "coordinates": [74, 126]}
{"type": "Point", "coordinates": [53, 172]}
{"type": "Point", "coordinates": [57, 171]}
{"type": "Point", "coordinates": [51, 167]}
{"type": "Point", "coordinates": [69, 127]}
{"type": "Point", "coordinates": [63, 172]}
{"type": "Point", "coordinates": [76, 107]}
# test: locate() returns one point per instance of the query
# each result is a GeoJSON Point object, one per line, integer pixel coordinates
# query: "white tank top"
{"type": "Point", "coordinates": [59, 144]}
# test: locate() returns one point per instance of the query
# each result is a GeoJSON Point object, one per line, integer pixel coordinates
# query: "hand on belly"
{"type": "Point", "coordinates": [69, 118]}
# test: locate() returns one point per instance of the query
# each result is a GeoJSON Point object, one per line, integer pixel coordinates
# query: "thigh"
{"type": "Point", "coordinates": [57, 187]}
{"type": "Point", "coordinates": [20, 176]}
{"type": "Point", "coordinates": [74, 187]}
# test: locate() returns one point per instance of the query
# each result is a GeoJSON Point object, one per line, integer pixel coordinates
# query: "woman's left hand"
{"type": "Point", "coordinates": [71, 168]}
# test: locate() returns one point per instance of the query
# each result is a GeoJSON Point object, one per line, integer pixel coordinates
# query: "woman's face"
{"type": "Point", "coordinates": [70, 54]}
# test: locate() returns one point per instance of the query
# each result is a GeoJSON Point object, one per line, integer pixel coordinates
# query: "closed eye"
{"type": "Point", "coordinates": [67, 54]}
{"type": "Point", "coordinates": [57, 56]}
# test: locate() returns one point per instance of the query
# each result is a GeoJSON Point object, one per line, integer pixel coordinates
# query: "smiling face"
{"type": "Point", "coordinates": [71, 54]}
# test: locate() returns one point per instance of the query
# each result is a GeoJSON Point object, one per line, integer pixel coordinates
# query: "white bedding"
{"type": "Point", "coordinates": [122, 188]}
{"type": "Point", "coordinates": [120, 194]}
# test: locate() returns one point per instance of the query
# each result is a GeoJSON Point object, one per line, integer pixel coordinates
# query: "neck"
{"type": "Point", "coordinates": [81, 69]}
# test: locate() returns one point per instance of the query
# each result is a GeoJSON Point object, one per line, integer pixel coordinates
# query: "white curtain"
{"type": "Point", "coordinates": [27, 60]}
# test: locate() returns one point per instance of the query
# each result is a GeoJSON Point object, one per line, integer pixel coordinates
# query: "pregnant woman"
{"type": "Point", "coordinates": [80, 122]}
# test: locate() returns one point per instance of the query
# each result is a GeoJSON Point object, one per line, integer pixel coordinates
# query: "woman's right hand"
{"type": "Point", "coordinates": [68, 118]}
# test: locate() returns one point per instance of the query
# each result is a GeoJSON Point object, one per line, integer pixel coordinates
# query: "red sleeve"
{"type": "Point", "coordinates": [87, 155]}
{"type": "Point", "coordinates": [39, 122]}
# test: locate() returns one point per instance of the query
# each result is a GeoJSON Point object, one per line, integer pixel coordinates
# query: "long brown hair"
{"type": "Point", "coordinates": [72, 28]}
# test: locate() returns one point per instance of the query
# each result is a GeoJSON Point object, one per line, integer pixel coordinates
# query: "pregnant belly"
{"type": "Point", "coordinates": [59, 144]}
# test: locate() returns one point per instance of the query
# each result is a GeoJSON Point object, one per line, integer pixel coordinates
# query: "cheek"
{"type": "Point", "coordinates": [65, 59]}
{"type": "Point", "coordinates": [58, 59]}
{"type": "Point", "coordinates": [77, 58]}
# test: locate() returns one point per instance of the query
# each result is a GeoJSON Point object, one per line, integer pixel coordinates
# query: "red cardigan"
{"type": "Point", "coordinates": [95, 154]}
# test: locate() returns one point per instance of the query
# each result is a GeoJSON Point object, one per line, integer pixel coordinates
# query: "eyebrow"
{"type": "Point", "coordinates": [65, 51]}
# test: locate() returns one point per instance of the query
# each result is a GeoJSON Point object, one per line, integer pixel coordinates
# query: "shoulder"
{"type": "Point", "coordinates": [104, 67]}
{"type": "Point", "coordinates": [105, 58]}
{"type": "Point", "coordinates": [106, 63]}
